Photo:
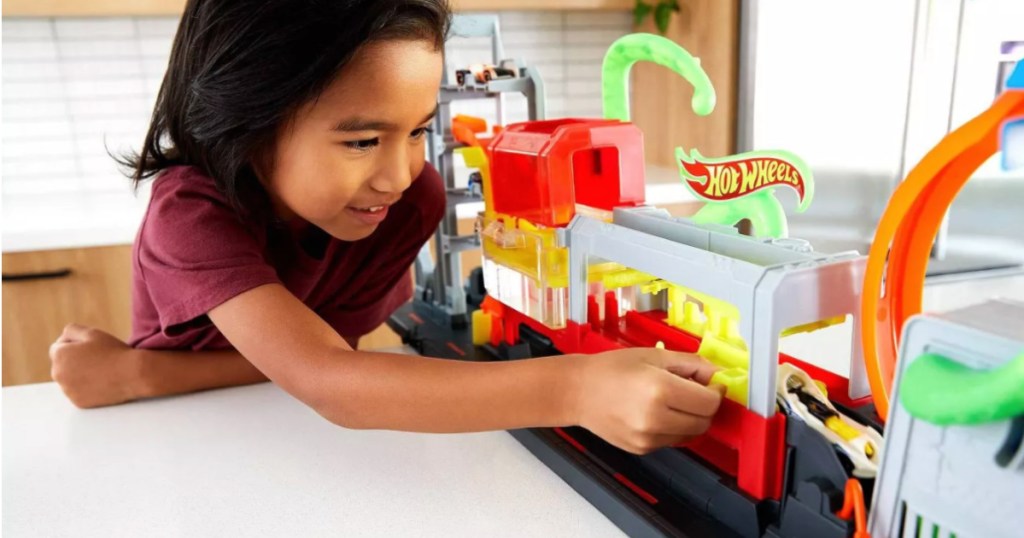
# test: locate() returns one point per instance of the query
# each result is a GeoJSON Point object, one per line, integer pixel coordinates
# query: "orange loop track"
{"type": "Point", "coordinates": [898, 259]}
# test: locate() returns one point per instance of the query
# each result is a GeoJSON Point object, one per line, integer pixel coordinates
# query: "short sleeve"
{"type": "Point", "coordinates": [194, 252]}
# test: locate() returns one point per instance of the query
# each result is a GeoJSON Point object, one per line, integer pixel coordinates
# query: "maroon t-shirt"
{"type": "Point", "coordinates": [193, 253]}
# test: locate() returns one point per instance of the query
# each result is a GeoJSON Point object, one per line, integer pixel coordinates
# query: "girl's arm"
{"type": "Point", "coordinates": [638, 399]}
{"type": "Point", "coordinates": [304, 355]}
{"type": "Point", "coordinates": [96, 369]}
{"type": "Point", "coordinates": [163, 373]}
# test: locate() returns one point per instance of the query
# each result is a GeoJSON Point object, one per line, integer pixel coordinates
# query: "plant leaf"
{"type": "Point", "coordinates": [641, 11]}
{"type": "Point", "coordinates": [662, 13]}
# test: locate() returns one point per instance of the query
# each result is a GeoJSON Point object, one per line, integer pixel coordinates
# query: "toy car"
{"type": "Point", "coordinates": [484, 73]}
{"type": "Point", "coordinates": [801, 396]}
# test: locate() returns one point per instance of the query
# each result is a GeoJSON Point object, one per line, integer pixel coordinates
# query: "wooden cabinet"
{"type": "Point", "coordinates": [45, 290]}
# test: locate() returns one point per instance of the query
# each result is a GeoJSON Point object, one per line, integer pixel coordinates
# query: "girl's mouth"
{"type": "Point", "coordinates": [371, 215]}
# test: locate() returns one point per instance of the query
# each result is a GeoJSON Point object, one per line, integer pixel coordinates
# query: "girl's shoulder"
{"type": "Point", "coordinates": [185, 182]}
{"type": "Point", "coordinates": [187, 213]}
{"type": "Point", "coordinates": [185, 194]}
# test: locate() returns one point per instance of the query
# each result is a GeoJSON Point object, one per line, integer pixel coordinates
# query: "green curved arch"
{"type": "Point", "coordinates": [633, 48]}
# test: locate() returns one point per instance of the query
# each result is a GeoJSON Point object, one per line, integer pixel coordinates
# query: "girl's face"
{"type": "Point", "coordinates": [348, 155]}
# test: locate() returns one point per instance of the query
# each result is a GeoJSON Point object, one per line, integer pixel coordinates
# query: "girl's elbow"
{"type": "Point", "coordinates": [332, 395]}
{"type": "Point", "coordinates": [344, 418]}
{"type": "Point", "coordinates": [338, 410]}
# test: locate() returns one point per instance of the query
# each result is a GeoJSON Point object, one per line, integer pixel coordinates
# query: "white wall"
{"type": "Point", "coordinates": [831, 81]}
{"type": "Point", "coordinates": [71, 85]}
{"type": "Point", "coordinates": [987, 25]}
{"type": "Point", "coordinates": [957, 70]}
{"type": "Point", "coordinates": [74, 87]}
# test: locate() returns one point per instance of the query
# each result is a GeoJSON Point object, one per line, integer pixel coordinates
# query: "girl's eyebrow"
{"type": "Point", "coordinates": [356, 124]}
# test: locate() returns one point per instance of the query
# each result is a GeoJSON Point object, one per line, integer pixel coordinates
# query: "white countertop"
{"type": "Point", "coordinates": [252, 461]}
{"type": "Point", "coordinates": [45, 221]}
{"type": "Point", "coordinates": [61, 220]}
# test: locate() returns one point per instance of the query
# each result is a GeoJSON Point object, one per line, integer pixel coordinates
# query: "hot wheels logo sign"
{"type": "Point", "coordinates": [729, 178]}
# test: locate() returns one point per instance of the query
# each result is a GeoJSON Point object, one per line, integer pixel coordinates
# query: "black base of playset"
{"type": "Point", "coordinates": [670, 492]}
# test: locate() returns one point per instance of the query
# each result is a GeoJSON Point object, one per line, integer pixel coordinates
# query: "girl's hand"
{"type": "Point", "coordinates": [642, 399]}
{"type": "Point", "coordinates": [93, 368]}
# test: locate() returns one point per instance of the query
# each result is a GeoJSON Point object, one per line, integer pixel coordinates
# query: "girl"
{"type": "Point", "coordinates": [291, 197]}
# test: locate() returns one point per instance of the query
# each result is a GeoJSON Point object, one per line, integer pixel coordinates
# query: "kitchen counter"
{"type": "Point", "coordinates": [59, 221]}
{"type": "Point", "coordinates": [252, 461]}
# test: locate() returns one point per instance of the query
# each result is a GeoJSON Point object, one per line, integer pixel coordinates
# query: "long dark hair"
{"type": "Point", "coordinates": [239, 68]}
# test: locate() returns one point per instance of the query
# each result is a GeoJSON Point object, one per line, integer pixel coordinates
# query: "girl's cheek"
{"type": "Point", "coordinates": [417, 167]}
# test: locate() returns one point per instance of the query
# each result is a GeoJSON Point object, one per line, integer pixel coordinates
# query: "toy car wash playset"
{"type": "Point", "coordinates": [574, 261]}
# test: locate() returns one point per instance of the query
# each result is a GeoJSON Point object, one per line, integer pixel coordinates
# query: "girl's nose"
{"type": "Point", "coordinates": [394, 175]}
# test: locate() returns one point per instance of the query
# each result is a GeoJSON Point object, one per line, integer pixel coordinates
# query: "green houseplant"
{"type": "Point", "coordinates": [661, 9]}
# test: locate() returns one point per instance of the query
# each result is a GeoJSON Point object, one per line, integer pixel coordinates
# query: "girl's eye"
{"type": "Point", "coordinates": [418, 133]}
{"type": "Point", "coordinates": [363, 145]}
